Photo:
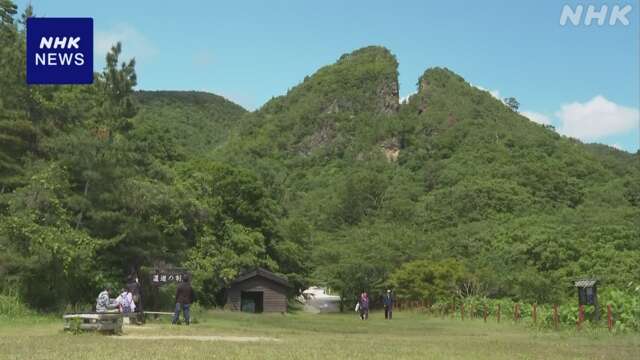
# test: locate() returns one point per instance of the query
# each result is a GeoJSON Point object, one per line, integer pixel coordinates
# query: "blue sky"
{"type": "Point", "coordinates": [584, 80]}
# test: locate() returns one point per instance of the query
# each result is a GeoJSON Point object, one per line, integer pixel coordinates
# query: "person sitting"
{"type": "Point", "coordinates": [104, 302]}
{"type": "Point", "coordinates": [125, 302]}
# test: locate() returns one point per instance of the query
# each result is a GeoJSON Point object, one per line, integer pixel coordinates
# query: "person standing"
{"type": "Point", "coordinates": [387, 301]}
{"type": "Point", "coordinates": [184, 298]}
{"type": "Point", "coordinates": [134, 288]}
{"type": "Point", "coordinates": [363, 306]}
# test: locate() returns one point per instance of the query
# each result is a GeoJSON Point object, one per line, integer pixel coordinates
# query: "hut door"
{"type": "Point", "coordinates": [251, 301]}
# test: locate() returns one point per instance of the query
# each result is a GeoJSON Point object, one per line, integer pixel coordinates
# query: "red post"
{"type": "Point", "coordinates": [609, 317]}
{"type": "Point", "coordinates": [580, 316]}
{"type": "Point", "coordinates": [556, 320]}
{"type": "Point", "coordinates": [498, 313]}
{"type": "Point", "coordinates": [534, 314]}
{"type": "Point", "coordinates": [484, 314]}
{"type": "Point", "coordinates": [462, 311]}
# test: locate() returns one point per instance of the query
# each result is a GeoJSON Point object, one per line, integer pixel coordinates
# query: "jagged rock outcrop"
{"type": "Point", "coordinates": [365, 80]}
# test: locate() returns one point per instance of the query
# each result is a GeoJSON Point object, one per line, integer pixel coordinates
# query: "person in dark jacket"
{"type": "Point", "coordinates": [387, 301]}
{"type": "Point", "coordinates": [184, 298]}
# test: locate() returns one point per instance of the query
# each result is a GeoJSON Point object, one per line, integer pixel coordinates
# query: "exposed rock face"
{"type": "Point", "coordinates": [365, 80]}
{"type": "Point", "coordinates": [388, 96]}
{"type": "Point", "coordinates": [422, 95]}
{"type": "Point", "coordinates": [391, 149]}
{"type": "Point", "coordinates": [321, 137]}
{"type": "Point", "coordinates": [334, 108]}
{"type": "Point", "coordinates": [392, 154]}
{"type": "Point", "coordinates": [361, 83]}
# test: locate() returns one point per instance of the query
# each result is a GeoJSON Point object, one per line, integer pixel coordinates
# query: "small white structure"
{"type": "Point", "coordinates": [316, 300]}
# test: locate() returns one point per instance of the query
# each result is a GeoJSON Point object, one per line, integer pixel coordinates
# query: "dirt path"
{"type": "Point", "coordinates": [196, 338]}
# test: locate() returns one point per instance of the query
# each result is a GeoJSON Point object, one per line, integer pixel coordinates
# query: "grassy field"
{"type": "Point", "coordinates": [225, 335]}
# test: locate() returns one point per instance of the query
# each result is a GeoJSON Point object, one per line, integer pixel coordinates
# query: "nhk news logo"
{"type": "Point", "coordinates": [59, 50]}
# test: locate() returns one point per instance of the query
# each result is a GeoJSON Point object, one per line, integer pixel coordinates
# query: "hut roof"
{"type": "Point", "coordinates": [261, 272]}
{"type": "Point", "coordinates": [585, 283]}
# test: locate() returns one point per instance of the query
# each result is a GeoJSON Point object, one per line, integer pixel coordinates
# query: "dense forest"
{"type": "Point", "coordinates": [336, 183]}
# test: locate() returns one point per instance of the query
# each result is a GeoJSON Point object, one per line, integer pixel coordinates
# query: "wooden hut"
{"type": "Point", "coordinates": [258, 291]}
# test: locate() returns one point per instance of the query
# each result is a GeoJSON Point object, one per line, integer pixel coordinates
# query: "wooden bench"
{"type": "Point", "coordinates": [156, 314]}
{"type": "Point", "coordinates": [101, 322]}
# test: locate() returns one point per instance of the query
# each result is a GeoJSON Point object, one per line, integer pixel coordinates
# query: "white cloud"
{"type": "Point", "coordinates": [494, 93]}
{"type": "Point", "coordinates": [406, 98]}
{"type": "Point", "coordinates": [596, 118]}
{"type": "Point", "coordinates": [134, 43]}
{"type": "Point", "coordinates": [537, 117]}
{"type": "Point", "coordinates": [617, 146]}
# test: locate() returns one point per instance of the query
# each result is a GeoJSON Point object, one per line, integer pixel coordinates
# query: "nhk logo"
{"type": "Point", "coordinates": [53, 58]}
{"type": "Point", "coordinates": [618, 15]}
{"type": "Point", "coordinates": [59, 50]}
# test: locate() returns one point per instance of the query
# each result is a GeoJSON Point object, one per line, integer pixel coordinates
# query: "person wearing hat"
{"type": "Point", "coordinates": [388, 301]}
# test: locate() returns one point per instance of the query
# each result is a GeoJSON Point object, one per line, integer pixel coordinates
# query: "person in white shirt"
{"type": "Point", "coordinates": [125, 302]}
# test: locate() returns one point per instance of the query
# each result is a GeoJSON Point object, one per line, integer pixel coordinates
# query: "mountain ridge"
{"type": "Point", "coordinates": [453, 171]}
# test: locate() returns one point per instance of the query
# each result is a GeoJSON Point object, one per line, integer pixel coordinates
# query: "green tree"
{"type": "Point", "coordinates": [512, 103]}
{"type": "Point", "coordinates": [429, 280]}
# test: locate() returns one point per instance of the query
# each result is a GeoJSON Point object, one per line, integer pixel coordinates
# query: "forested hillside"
{"type": "Point", "coordinates": [335, 183]}
{"type": "Point", "coordinates": [179, 124]}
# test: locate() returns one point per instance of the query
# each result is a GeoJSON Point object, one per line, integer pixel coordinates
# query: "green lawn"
{"type": "Point", "coordinates": [306, 336]}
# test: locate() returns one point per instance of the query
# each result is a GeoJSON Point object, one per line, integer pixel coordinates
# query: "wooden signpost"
{"type": "Point", "coordinates": [168, 275]}
{"type": "Point", "coordinates": [588, 295]}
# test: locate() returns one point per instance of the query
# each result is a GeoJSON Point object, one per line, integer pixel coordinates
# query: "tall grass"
{"type": "Point", "coordinates": [12, 307]}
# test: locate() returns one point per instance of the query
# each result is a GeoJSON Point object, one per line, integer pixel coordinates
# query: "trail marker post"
{"type": "Point", "coordinates": [580, 316]}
